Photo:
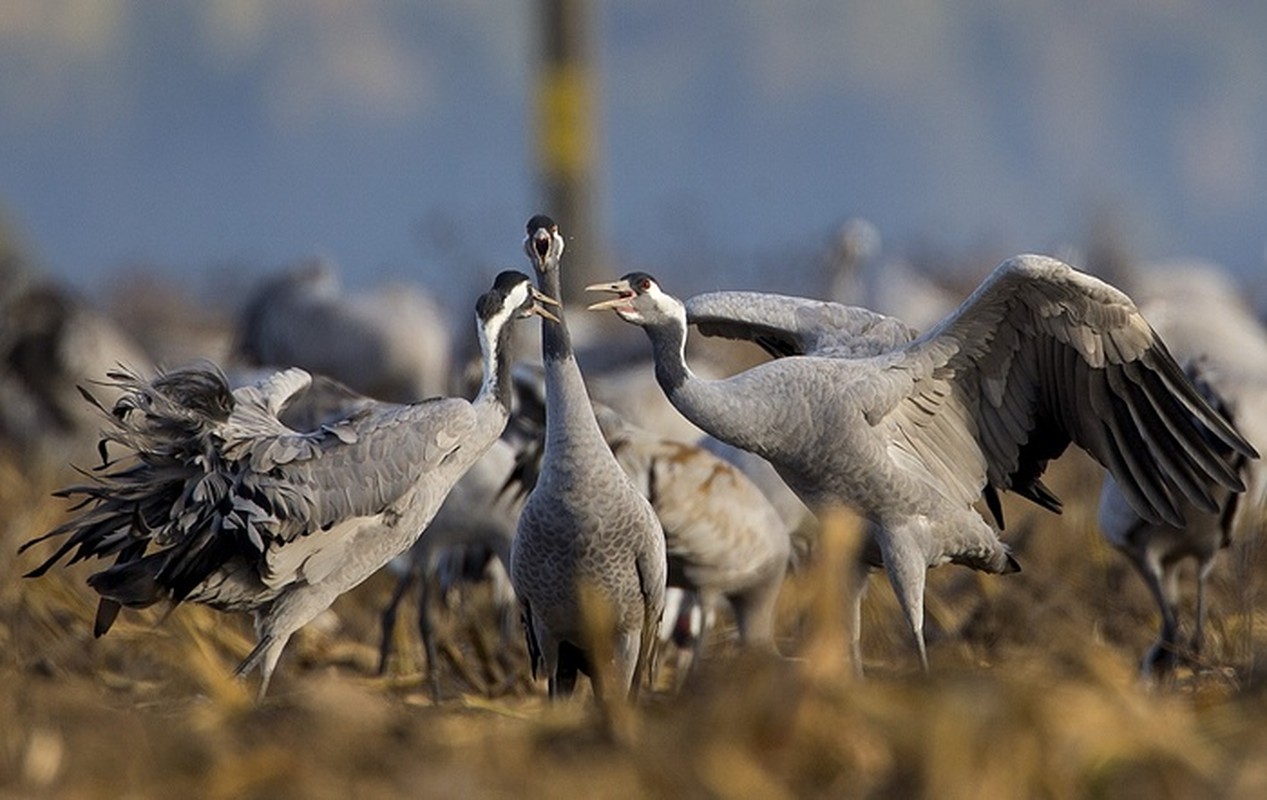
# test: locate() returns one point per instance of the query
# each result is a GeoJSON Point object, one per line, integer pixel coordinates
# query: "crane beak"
{"type": "Point", "coordinates": [624, 293]}
{"type": "Point", "coordinates": [539, 244]}
{"type": "Point", "coordinates": [540, 301]}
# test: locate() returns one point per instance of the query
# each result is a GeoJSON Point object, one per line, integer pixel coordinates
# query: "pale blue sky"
{"type": "Point", "coordinates": [395, 137]}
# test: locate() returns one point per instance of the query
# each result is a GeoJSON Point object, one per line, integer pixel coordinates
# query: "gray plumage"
{"type": "Point", "coordinates": [798, 520]}
{"type": "Point", "coordinates": [722, 537]}
{"type": "Point", "coordinates": [585, 531]}
{"type": "Point", "coordinates": [1207, 323]}
{"type": "Point", "coordinates": [1156, 550]}
{"type": "Point", "coordinates": [860, 273]}
{"type": "Point", "coordinates": [217, 501]}
{"type": "Point", "coordinates": [391, 344]}
{"type": "Point", "coordinates": [911, 431]}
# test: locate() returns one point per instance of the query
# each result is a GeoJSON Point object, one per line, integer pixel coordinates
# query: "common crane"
{"type": "Point", "coordinates": [911, 430]}
{"type": "Point", "coordinates": [585, 535]}
{"type": "Point", "coordinates": [391, 343]}
{"type": "Point", "coordinates": [219, 502]}
{"type": "Point", "coordinates": [1204, 317]}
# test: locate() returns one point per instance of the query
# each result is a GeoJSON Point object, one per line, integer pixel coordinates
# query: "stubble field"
{"type": "Point", "coordinates": [1033, 691]}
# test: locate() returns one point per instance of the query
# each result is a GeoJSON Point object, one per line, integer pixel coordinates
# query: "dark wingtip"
{"type": "Point", "coordinates": [51, 560]}
{"type": "Point", "coordinates": [992, 502]}
{"type": "Point", "coordinates": [1047, 498]}
{"type": "Point", "coordinates": [107, 611]}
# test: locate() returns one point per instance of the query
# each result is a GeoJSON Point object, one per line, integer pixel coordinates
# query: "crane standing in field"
{"type": "Point", "coordinates": [723, 538]}
{"type": "Point", "coordinates": [1209, 326]}
{"type": "Point", "coordinates": [222, 504]}
{"type": "Point", "coordinates": [1156, 549]}
{"type": "Point", "coordinates": [911, 431]}
{"type": "Point", "coordinates": [586, 535]}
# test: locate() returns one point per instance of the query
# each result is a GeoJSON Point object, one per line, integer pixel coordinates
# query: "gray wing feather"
{"type": "Point", "coordinates": [1041, 355]}
{"type": "Point", "coordinates": [387, 447]}
{"type": "Point", "coordinates": [213, 472]}
{"type": "Point", "coordinates": [785, 325]}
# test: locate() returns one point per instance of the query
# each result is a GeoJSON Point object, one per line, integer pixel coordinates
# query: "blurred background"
{"type": "Point", "coordinates": [195, 178]}
{"type": "Point", "coordinates": [723, 144]}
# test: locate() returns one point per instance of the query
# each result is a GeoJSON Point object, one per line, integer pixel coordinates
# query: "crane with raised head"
{"type": "Point", "coordinates": [586, 536]}
{"type": "Point", "coordinates": [217, 501]}
{"type": "Point", "coordinates": [912, 430]}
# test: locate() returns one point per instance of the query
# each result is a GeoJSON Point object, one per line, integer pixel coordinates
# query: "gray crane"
{"type": "Point", "coordinates": [861, 273]}
{"type": "Point", "coordinates": [1208, 324]}
{"type": "Point", "coordinates": [391, 343]}
{"type": "Point", "coordinates": [219, 502]}
{"type": "Point", "coordinates": [586, 535]}
{"type": "Point", "coordinates": [723, 538]}
{"type": "Point", "coordinates": [1157, 549]}
{"type": "Point", "coordinates": [51, 342]}
{"type": "Point", "coordinates": [911, 431]}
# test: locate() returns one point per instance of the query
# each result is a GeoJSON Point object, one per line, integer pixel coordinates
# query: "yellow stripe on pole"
{"type": "Point", "coordinates": [566, 134]}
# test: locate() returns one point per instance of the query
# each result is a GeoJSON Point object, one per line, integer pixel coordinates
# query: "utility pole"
{"type": "Point", "coordinates": [566, 121]}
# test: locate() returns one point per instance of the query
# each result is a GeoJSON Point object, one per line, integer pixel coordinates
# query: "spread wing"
{"type": "Point", "coordinates": [784, 325]}
{"type": "Point", "coordinates": [1039, 356]}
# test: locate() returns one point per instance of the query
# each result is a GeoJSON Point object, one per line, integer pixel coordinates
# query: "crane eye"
{"type": "Point", "coordinates": [644, 285]}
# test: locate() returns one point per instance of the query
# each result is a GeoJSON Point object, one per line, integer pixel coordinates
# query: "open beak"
{"type": "Point", "coordinates": [540, 301]}
{"type": "Point", "coordinates": [624, 293]}
{"type": "Point", "coordinates": [541, 242]}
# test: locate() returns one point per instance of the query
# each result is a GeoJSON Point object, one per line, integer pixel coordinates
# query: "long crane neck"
{"type": "Point", "coordinates": [496, 388]}
{"type": "Point", "coordinates": [668, 348]}
{"type": "Point", "coordinates": [556, 341]}
{"type": "Point", "coordinates": [568, 409]}
{"type": "Point", "coordinates": [706, 403]}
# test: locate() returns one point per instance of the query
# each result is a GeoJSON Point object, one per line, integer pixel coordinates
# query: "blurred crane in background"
{"type": "Point", "coordinates": [1209, 325]}
{"type": "Point", "coordinates": [52, 342]}
{"type": "Point", "coordinates": [393, 343]}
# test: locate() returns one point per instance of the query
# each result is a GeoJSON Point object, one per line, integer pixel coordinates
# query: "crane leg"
{"type": "Point", "coordinates": [1162, 655]}
{"type": "Point", "coordinates": [907, 571]}
{"type": "Point", "coordinates": [1198, 632]}
{"type": "Point", "coordinates": [858, 593]}
{"type": "Point", "coordinates": [388, 619]}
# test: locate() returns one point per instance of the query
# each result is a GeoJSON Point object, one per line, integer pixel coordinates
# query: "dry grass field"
{"type": "Point", "coordinates": [1034, 692]}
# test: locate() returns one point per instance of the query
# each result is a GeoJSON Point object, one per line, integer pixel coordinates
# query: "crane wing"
{"type": "Point", "coordinates": [351, 467]}
{"type": "Point", "coordinates": [213, 475]}
{"type": "Point", "coordinates": [785, 325]}
{"type": "Point", "coordinates": [1042, 355]}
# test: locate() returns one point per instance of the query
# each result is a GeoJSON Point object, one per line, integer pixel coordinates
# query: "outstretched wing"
{"type": "Point", "coordinates": [1042, 355]}
{"type": "Point", "coordinates": [784, 325]}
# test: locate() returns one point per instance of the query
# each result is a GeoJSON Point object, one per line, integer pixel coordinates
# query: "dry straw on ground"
{"type": "Point", "coordinates": [1033, 692]}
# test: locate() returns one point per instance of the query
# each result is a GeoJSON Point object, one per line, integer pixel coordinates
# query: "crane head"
{"type": "Point", "coordinates": [544, 244]}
